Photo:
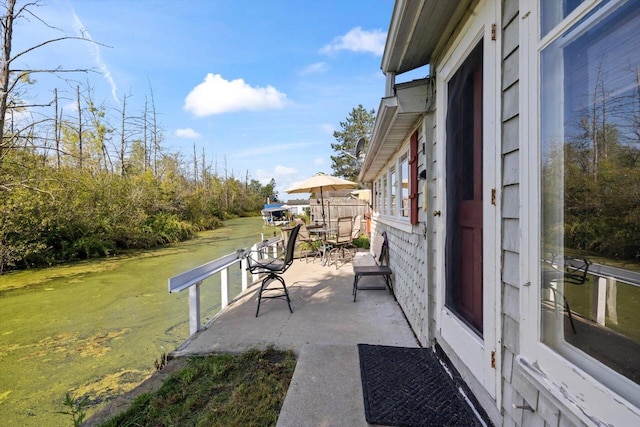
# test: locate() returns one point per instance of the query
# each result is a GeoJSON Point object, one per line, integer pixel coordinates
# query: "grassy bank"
{"type": "Point", "coordinates": [217, 390]}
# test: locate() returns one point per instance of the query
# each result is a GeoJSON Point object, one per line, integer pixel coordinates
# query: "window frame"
{"type": "Point", "coordinates": [588, 390]}
{"type": "Point", "coordinates": [387, 212]}
{"type": "Point", "coordinates": [404, 202]}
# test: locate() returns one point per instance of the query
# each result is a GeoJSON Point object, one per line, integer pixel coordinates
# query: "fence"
{"type": "Point", "coordinates": [335, 207]}
{"type": "Point", "coordinates": [604, 291]}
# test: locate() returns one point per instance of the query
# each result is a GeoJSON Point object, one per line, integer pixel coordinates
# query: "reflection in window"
{"type": "Point", "coordinates": [554, 11]}
{"type": "Point", "coordinates": [384, 195]}
{"type": "Point", "coordinates": [404, 178]}
{"type": "Point", "coordinates": [394, 188]}
{"type": "Point", "coordinates": [590, 151]}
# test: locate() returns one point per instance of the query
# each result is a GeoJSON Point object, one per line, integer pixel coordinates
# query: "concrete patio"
{"type": "Point", "coordinates": [324, 330]}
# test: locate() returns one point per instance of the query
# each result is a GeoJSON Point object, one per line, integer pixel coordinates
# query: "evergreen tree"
{"type": "Point", "coordinates": [358, 124]}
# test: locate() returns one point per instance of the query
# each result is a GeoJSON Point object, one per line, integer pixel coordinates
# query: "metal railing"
{"type": "Point", "coordinates": [604, 290]}
{"type": "Point", "coordinates": [192, 279]}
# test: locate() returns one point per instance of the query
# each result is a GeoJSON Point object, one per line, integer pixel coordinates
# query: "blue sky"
{"type": "Point", "coordinates": [261, 84]}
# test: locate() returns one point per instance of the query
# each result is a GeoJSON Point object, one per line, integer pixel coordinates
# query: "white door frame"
{"type": "Point", "coordinates": [477, 353]}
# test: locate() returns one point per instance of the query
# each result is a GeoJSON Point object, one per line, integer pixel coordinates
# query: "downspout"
{"type": "Point", "coordinates": [389, 88]}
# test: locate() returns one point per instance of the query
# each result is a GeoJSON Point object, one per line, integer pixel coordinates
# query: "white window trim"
{"type": "Point", "coordinates": [587, 399]}
{"type": "Point", "coordinates": [386, 216]}
{"type": "Point", "coordinates": [404, 211]}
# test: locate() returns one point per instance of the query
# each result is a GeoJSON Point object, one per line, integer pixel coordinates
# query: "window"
{"type": "Point", "coordinates": [393, 187]}
{"type": "Point", "coordinates": [384, 195]}
{"type": "Point", "coordinates": [554, 11]}
{"type": "Point", "coordinates": [393, 183]}
{"type": "Point", "coordinates": [404, 179]}
{"type": "Point", "coordinates": [376, 196]}
{"type": "Point", "coordinates": [590, 187]}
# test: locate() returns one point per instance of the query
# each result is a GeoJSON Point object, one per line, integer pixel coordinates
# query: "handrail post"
{"type": "Point", "coordinates": [194, 308]}
{"type": "Point", "coordinates": [599, 300]}
{"type": "Point", "coordinates": [254, 250]}
{"type": "Point", "coordinates": [244, 265]}
{"type": "Point", "coordinates": [224, 288]}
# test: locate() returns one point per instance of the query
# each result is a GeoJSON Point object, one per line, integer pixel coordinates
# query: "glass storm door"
{"type": "Point", "coordinates": [464, 192]}
{"type": "Point", "coordinates": [468, 238]}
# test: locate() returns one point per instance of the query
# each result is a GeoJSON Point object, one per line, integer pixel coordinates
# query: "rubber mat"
{"type": "Point", "coordinates": [409, 387]}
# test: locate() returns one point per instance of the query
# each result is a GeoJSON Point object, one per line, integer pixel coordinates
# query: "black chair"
{"type": "Point", "coordinates": [273, 267]}
{"type": "Point", "coordinates": [575, 271]}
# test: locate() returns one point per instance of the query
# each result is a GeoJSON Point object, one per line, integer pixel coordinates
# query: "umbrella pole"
{"type": "Point", "coordinates": [324, 224]}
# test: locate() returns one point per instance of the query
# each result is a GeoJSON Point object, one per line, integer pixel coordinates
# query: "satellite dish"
{"type": "Point", "coordinates": [359, 147]}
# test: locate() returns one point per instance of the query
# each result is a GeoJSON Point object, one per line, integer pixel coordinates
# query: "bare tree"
{"type": "Point", "coordinates": [195, 165]}
{"type": "Point", "coordinates": [154, 133]}
{"type": "Point", "coordinates": [79, 107]}
{"type": "Point", "coordinates": [145, 137]}
{"type": "Point", "coordinates": [57, 127]}
{"type": "Point", "coordinates": [11, 78]}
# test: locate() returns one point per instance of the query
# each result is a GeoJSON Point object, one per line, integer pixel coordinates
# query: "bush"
{"type": "Point", "coordinates": [168, 228]}
{"type": "Point", "coordinates": [362, 242]}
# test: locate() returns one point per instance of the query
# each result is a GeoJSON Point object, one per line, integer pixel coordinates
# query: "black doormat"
{"type": "Point", "coordinates": [409, 387]}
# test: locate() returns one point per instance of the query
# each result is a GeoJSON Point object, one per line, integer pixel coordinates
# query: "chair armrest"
{"type": "Point", "coordinates": [255, 261]}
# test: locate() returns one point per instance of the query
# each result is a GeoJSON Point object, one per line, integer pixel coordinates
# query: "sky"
{"type": "Point", "coordinates": [260, 85]}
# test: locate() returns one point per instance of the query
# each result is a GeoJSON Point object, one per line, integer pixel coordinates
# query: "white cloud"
{"type": "Point", "coordinates": [319, 161]}
{"type": "Point", "coordinates": [216, 95]}
{"type": "Point", "coordinates": [284, 170]}
{"type": "Point", "coordinates": [358, 40]}
{"type": "Point", "coordinates": [187, 133]}
{"type": "Point", "coordinates": [70, 107]}
{"type": "Point", "coordinates": [271, 149]}
{"type": "Point", "coordinates": [97, 57]}
{"type": "Point", "coordinates": [327, 128]}
{"type": "Point", "coordinates": [283, 175]}
{"type": "Point", "coordinates": [318, 67]}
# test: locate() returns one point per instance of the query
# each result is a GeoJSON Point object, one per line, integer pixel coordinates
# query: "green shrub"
{"type": "Point", "coordinates": [168, 228]}
{"type": "Point", "coordinates": [361, 242]}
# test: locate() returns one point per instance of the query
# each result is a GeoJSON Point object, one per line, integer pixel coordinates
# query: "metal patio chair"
{"type": "Point", "coordinates": [273, 268]}
{"type": "Point", "coordinates": [569, 270]}
{"type": "Point", "coordinates": [342, 242]}
{"type": "Point", "coordinates": [304, 236]}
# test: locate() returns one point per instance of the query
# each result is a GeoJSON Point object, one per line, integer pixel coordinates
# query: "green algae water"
{"type": "Point", "coordinates": [94, 329]}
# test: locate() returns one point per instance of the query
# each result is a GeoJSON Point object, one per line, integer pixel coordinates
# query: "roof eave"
{"type": "Point", "coordinates": [397, 116]}
{"type": "Point", "coordinates": [417, 28]}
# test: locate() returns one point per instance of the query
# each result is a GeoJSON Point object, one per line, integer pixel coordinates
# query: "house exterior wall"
{"type": "Point", "coordinates": [408, 262]}
{"type": "Point", "coordinates": [524, 402]}
{"type": "Point", "coordinates": [520, 400]}
{"type": "Point", "coordinates": [511, 384]}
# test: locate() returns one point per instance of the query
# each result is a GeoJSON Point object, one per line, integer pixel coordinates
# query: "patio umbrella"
{"type": "Point", "coordinates": [320, 182]}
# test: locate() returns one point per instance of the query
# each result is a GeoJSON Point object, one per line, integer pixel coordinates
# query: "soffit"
{"type": "Point", "coordinates": [397, 116]}
{"type": "Point", "coordinates": [417, 27]}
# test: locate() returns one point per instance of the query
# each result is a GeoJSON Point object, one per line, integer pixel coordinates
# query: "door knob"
{"type": "Point", "coordinates": [436, 213]}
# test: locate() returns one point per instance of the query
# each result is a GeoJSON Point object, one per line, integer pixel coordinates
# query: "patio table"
{"type": "Point", "coordinates": [323, 232]}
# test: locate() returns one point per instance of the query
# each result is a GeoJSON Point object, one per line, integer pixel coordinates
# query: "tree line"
{"type": "Point", "coordinates": [51, 214]}
{"type": "Point", "coordinates": [596, 203]}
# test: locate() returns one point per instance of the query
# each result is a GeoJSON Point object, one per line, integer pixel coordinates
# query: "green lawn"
{"type": "Point", "coordinates": [217, 390]}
